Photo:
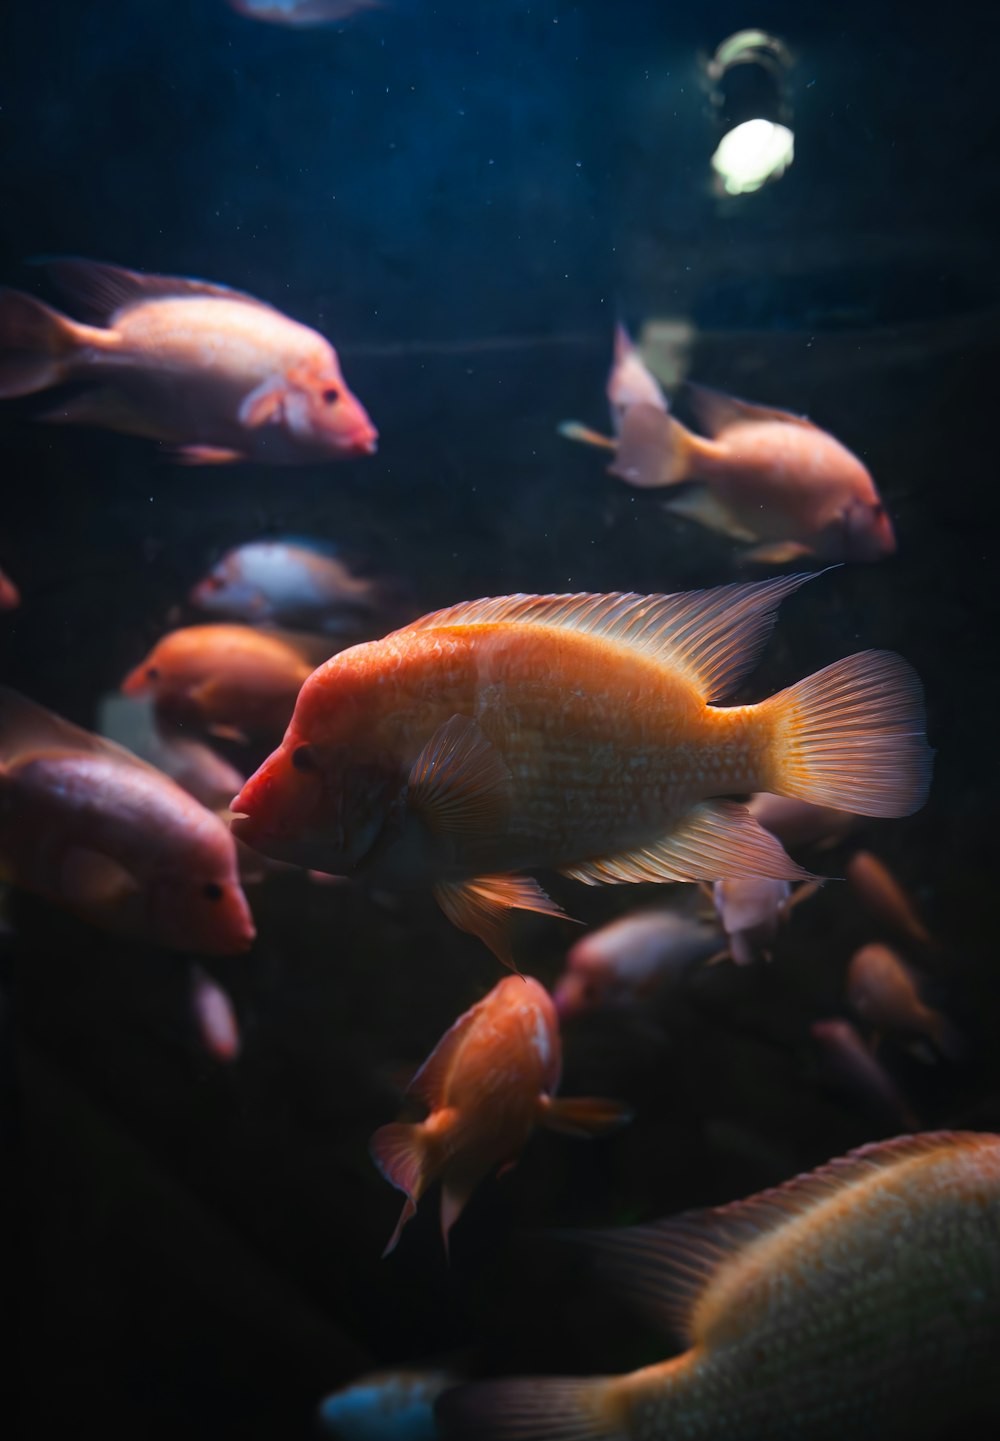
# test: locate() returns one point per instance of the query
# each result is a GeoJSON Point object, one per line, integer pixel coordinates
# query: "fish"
{"type": "Point", "coordinates": [215, 1017]}
{"type": "Point", "coordinates": [750, 912]}
{"type": "Point", "coordinates": [886, 899]}
{"type": "Point", "coordinates": [214, 373]}
{"type": "Point", "coordinates": [231, 680]}
{"type": "Point", "coordinates": [852, 1068]}
{"type": "Point", "coordinates": [771, 480]}
{"type": "Point", "coordinates": [861, 1299]}
{"type": "Point", "coordinates": [884, 992]}
{"type": "Point", "coordinates": [578, 733]}
{"type": "Point", "coordinates": [630, 382]}
{"type": "Point", "coordinates": [287, 583]}
{"type": "Point", "coordinates": [489, 1081]}
{"type": "Point", "coordinates": [302, 13]}
{"type": "Point", "coordinates": [94, 830]}
{"type": "Point", "coordinates": [197, 769]}
{"type": "Point", "coordinates": [797, 823]}
{"type": "Point", "coordinates": [10, 596]}
{"type": "Point", "coordinates": [395, 1405]}
{"type": "Point", "coordinates": [624, 962]}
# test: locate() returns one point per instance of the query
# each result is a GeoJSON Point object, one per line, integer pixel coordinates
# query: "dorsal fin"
{"type": "Point", "coordinates": [430, 1080]}
{"type": "Point", "coordinates": [100, 291]}
{"type": "Point", "coordinates": [715, 411]}
{"type": "Point", "coordinates": [667, 1267]}
{"type": "Point", "coordinates": [30, 729]}
{"type": "Point", "coordinates": [713, 636]}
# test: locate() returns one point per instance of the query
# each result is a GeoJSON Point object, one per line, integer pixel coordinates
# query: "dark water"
{"type": "Point", "coordinates": [463, 198]}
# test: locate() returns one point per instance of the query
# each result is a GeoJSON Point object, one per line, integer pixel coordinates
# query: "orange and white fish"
{"type": "Point", "coordinates": [884, 992]}
{"type": "Point", "coordinates": [215, 1017]}
{"type": "Point", "coordinates": [229, 679]}
{"type": "Point", "coordinates": [750, 912]}
{"type": "Point", "coordinates": [848, 1063]}
{"type": "Point", "coordinates": [625, 961]}
{"type": "Point", "coordinates": [766, 478]}
{"type": "Point", "coordinates": [393, 1405]}
{"type": "Point", "coordinates": [861, 1300]}
{"type": "Point", "coordinates": [489, 1081]}
{"type": "Point", "coordinates": [214, 373]}
{"type": "Point", "coordinates": [797, 823]}
{"type": "Point", "coordinates": [289, 583]}
{"type": "Point", "coordinates": [91, 828]}
{"type": "Point", "coordinates": [302, 13]}
{"type": "Point", "coordinates": [576, 733]}
{"type": "Point", "coordinates": [10, 596]}
{"type": "Point", "coordinates": [886, 899]}
{"type": "Point", "coordinates": [630, 381]}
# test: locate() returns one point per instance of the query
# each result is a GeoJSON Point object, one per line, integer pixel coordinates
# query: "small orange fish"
{"type": "Point", "coordinates": [797, 823]}
{"type": "Point", "coordinates": [861, 1300]}
{"type": "Point", "coordinates": [622, 963]}
{"type": "Point", "coordinates": [214, 373]}
{"type": "Point", "coordinates": [886, 899]}
{"type": "Point", "coordinates": [215, 1017]}
{"type": "Point", "coordinates": [91, 828]}
{"type": "Point", "coordinates": [882, 989]}
{"type": "Point", "coordinates": [767, 478]}
{"type": "Point", "coordinates": [851, 1067]}
{"type": "Point", "coordinates": [10, 596]}
{"type": "Point", "coordinates": [489, 1081]}
{"type": "Point", "coordinates": [578, 733]}
{"type": "Point", "coordinates": [229, 679]}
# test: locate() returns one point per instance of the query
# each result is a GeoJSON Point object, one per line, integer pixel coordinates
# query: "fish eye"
{"type": "Point", "coordinates": [153, 672]}
{"type": "Point", "coordinates": [304, 759]}
{"type": "Point", "coordinates": [331, 395]}
{"type": "Point", "coordinates": [212, 891]}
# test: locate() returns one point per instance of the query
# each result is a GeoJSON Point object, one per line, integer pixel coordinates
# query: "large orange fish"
{"type": "Point", "coordinates": [489, 1081]}
{"type": "Point", "coordinates": [577, 733]}
{"type": "Point", "coordinates": [93, 829]}
{"type": "Point", "coordinates": [216, 374]}
{"type": "Point", "coordinates": [861, 1300]}
{"type": "Point", "coordinates": [229, 679]}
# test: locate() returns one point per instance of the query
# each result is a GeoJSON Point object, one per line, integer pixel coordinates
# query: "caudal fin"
{"type": "Point", "coordinates": [400, 1152]}
{"type": "Point", "coordinates": [36, 345]}
{"type": "Point", "coordinates": [542, 1408]}
{"type": "Point", "coordinates": [852, 737]}
{"type": "Point", "coordinates": [654, 449]}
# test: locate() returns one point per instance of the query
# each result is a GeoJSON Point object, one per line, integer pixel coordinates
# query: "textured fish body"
{"type": "Point", "coordinates": [859, 1300]}
{"type": "Point", "coordinates": [90, 828]}
{"type": "Point", "coordinates": [283, 583]}
{"type": "Point", "coordinates": [488, 1082]}
{"type": "Point", "coordinates": [210, 370]}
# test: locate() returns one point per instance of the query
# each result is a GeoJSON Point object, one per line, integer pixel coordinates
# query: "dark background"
{"type": "Point", "coordinates": [463, 197]}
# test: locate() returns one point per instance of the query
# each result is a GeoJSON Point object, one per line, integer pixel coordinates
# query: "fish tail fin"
{"type": "Point", "coordinates": [537, 1408]}
{"type": "Point", "coordinates": [852, 737]}
{"type": "Point", "coordinates": [655, 449]}
{"type": "Point", "coordinates": [37, 344]}
{"type": "Point", "coordinates": [401, 1152]}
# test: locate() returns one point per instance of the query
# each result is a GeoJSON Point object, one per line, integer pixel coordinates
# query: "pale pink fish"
{"type": "Point", "coordinates": [301, 13]}
{"type": "Point", "coordinates": [851, 1067]}
{"type": "Point", "coordinates": [212, 372]}
{"type": "Point", "coordinates": [215, 1017]}
{"type": "Point", "coordinates": [630, 382]}
{"type": "Point", "coordinates": [627, 960]}
{"type": "Point", "coordinates": [96, 831]}
{"type": "Point", "coordinates": [10, 596]}
{"type": "Point", "coordinates": [287, 583]}
{"type": "Point", "coordinates": [798, 823]}
{"type": "Point", "coordinates": [883, 991]}
{"type": "Point", "coordinates": [750, 912]}
{"type": "Point", "coordinates": [886, 898]}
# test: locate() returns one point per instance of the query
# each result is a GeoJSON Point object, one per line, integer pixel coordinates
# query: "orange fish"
{"type": "Point", "coordinates": [882, 989]}
{"type": "Point", "coordinates": [214, 373]}
{"type": "Point", "coordinates": [576, 733]}
{"type": "Point", "coordinates": [886, 899]}
{"type": "Point", "coordinates": [93, 829]}
{"type": "Point", "coordinates": [623, 962]}
{"type": "Point", "coordinates": [767, 478]}
{"type": "Point", "coordinates": [10, 596]}
{"type": "Point", "coordinates": [489, 1081]}
{"type": "Point", "coordinates": [860, 1300]}
{"type": "Point", "coordinates": [229, 679]}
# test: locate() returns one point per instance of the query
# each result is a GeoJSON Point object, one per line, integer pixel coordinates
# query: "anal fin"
{"type": "Point", "coordinates": [482, 908]}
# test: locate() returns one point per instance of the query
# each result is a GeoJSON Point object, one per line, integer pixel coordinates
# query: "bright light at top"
{"type": "Point", "coordinates": [752, 154]}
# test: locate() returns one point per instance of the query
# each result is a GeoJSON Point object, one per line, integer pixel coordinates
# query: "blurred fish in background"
{"type": "Point", "coordinates": [305, 14]}
{"type": "Point", "coordinates": [395, 1405]}
{"type": "Point", "coordinates": [10, 596]}
{"type": "Point", "coordinates": [886, 899]}
{"type": "Point", "coordinates": [214, 1017]}
{"type": "Point", "coordinates": [885, 993]}
{"type": "Point", "coordinates": [848, 1064]}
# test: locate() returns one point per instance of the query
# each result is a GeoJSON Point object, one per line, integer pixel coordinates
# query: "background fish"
{"type": "Point", "coordinates": [210, 371]}
{"type": "Point", "coordinates": [386, 1406]}
{"type": "Point", "coordinates": [10, 596]}
{"type": "Point", "coordinates": [886, 899]}
{"type": "Point", "coordinates": [625, 961]}
{"type": "Point", "coordinates": [884, 992]}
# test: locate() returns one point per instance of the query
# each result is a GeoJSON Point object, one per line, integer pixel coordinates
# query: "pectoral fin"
{"type": "Point", "coordinates": [582, 1115]}
{"type": "Point", "coordinates": [459, 782]}
{"type": "Point", "coordinates": [482, 908]}
{"type": "Point", "coordinates": [264, 402]}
